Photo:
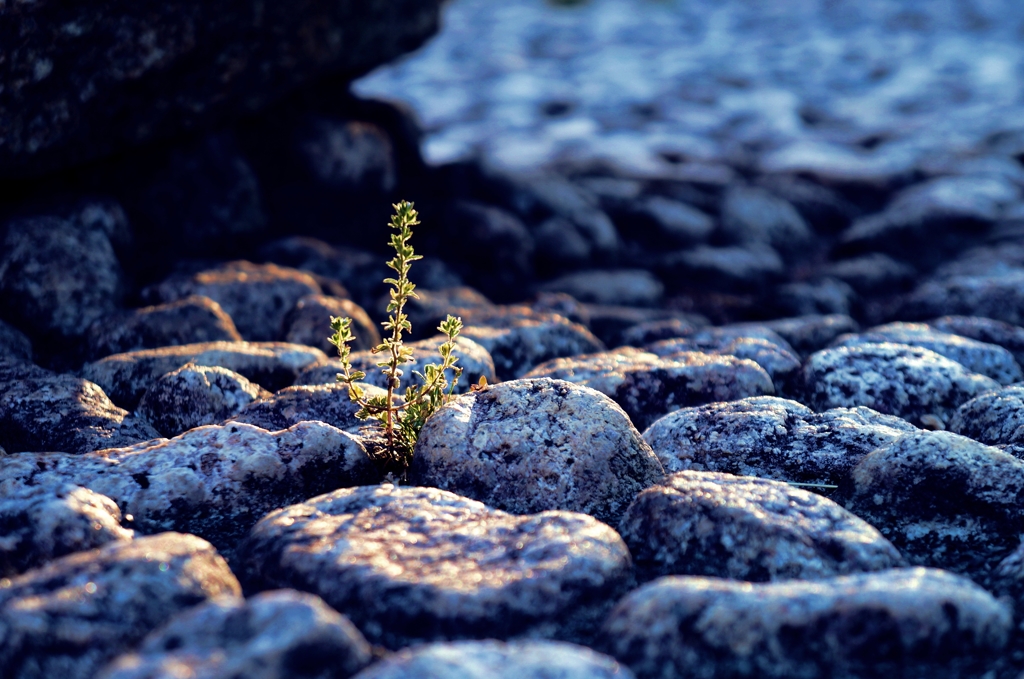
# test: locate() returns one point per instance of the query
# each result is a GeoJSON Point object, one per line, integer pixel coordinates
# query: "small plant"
{"type": "Point", "coordinates": [402, 419]}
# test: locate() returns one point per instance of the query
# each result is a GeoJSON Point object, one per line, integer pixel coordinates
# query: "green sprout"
{"type": "Point", "coordinates": [402, 419]}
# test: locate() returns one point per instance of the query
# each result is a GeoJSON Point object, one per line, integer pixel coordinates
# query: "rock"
{"type": "Point", "coordinates": [825, 209]}
{"type": "Point", "coordinates": [657, 221]}
{"type": "Point", "coordinates": [309, 323]}
{"type": "Point", "coordinates": [214, 481]}
{"type": "Point", "coordinates": [532, 445]}
{"type": "Point", "coordinates": [944, 500]}
{"type": "Point", "coordinates": [497, 660]}
{"type": "Point", "coordinates": [272, 365]}
{"type": "Point", "coordinates": [609, 322]}
{"type": "Point", "coordinates": [1002, 258]}
{"type": "Point", "coordinates": [187, 321]}
{"type": "Point", "coordinates": [562, 304]}
{"type": "Point", "coordinates": [872, 274]}
{"type": "Point", "coordinates": [561, 244]}
{"type": "Point", "coordinates": [647, 386]}
{"type": "Point", "coordinates": [43, 411]}
{"type": "Point", "coordinates": [1006, 335]}
{"type": "Point", "coordinates": [623, 287]}
{"type": "Point", "coordinates": [731, 268]}
{"type": "Point", "coordinates": [807, 334]}
{"type": "Point", "coordinates": [742, 528]}
{"type": "Point", "coordinates": [649, 332]}
{"type": "Point", "coordinates": [476, 232]}
{"type": "Point", "coordinates": [782, 366]}
{"type": "Point", "coordinates": [752, 215]}
{"type": "Point", "coordinates": [518, 345]}
{"type": "Point", "coordinates": [409, 565]}
{"type": "Point", "coordinates": [997, 296]}
{"type": "Point", "coordinates": [771, 438]}
{"type": "Point", "coordinates": [272, 635]}
{"type": "Point", "coordinates": [346, 156]}
{"type": "Point", "coordinates": [194, 395]}
{"type": "Point", "coordinates": [14, 345]}
{"type": "Point", "coordinates": [723, 334]}
{"type": "Point", "coordinates": [914, 383]}
{"type": "Point", "coordinates": [256, 296]}
{"type": "Point", "coordinates": [932, 220]}
{"type": "Point", "coordinates": [58, 274]}
{"type": "Point", "coordinates": [71, 616]}
{"type": "Point", "coordinates": [430, 307]}
{"type": "Point", "coordinates": [40, 524]}
{"type": "Point", "coordinates": [993, 418]}
{"type": "Point", "coordinates": [821, 296]}
{"type": "Point", "coordinates": [202, 198]}
{"type": "Point", "coordinates": [328, 403]}
{"type": "Point", "coordinates": [134, 73]}
{"type": "Point", "coordinates": [908, 623]}
{"type": "Point", "coordinates": [474, 360]}
{"type": "Point", "coordinates": [978, 357]}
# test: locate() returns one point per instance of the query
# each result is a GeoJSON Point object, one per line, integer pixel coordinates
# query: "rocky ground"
{"type": "Point", "coordinates": [746, 286]}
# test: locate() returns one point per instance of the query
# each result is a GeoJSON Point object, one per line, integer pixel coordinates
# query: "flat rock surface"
{"type": "Point", "coordinates": [272, 635]}
{"type": "Point", "coordinates": [914, 383]}
{"type": "Point", "coordinates": [742, 528]}
{"type": "Point", "coordinates": [68, 618]}
{"type": "Point", "coordinates": [914, 623]}
{"type": "Point", "coordinates": [45, 411]}
{"type": "Point", "coordinates": [530, 445]}
{"type": "Point", "coordinates": [648, 386]}
{"type": "Point", "coordinates": [329, 403]}
{"type": "Point", "coordinates": [979, 357]}
{"type": "Point", "coordinates": [272, 365]}
{"type": "Point", "coordinates": [126, 73]}
{"type": "Point", "coordinates": [497, 660]}
{"type": "Point", "coordinates": [943, 500]}
{"type": "Point", "coordinates": [186, 321]}
{"type": "Point", "coordinates": [214, 481]}
{"type": "Point", "coordinates": [194, 395]}
{"type": "Point", "coordinates": [39, 524]}
{"type": "Point", "coordinates": [419, 564]}
{"type": "Point", "coordinates": [474, 360]}
{"type": "Point", "coordinates": [771, 438]}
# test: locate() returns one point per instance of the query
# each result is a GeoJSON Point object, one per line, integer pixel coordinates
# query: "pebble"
{"type": "Point", "coordinates": [409, 565]}
{"type": "Point", "coordinates": [782, 366]}
{"type": "Point", "coordinates": [743, 528]}
{"type": "Point", "coordinates": [309, 323]}
{"type": "Point", "coordinates": [999, 296]}
{"type": "Point", "coordinates": [622, 287]}
{"type": "Point", "coordinates": [752, 215]}
{"type": "Point", "coordinates": [807, 334]}
{"type": "Point", "coordinates": [1006, 335]}
{"type": "Point", "coordinates": [521, 345]}
{"type": "Point", "coordinates": [70, 617]}
{"type": "Point", "coordinates": [993, 418]}
{"type": "Point", "coordinates": [772, 438]}
{"type": "Point", "coordinates": [327, 403]}
{"type": "Point", "coordinates": [531, 445]}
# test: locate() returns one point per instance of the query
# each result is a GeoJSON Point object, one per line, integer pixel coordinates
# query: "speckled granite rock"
{"type": "Point", "coordinates": [782, 366]}
{"type": "Point", "coordinates": [943, 500]}
{"type": "Point", "coordinates": [39, 524]}
{"type": "Point", "coordinates": [273, 635]}
{"type": "Point", "coordinates": [14, 345]}
{"type": "Point", "coordinates": [309, 323]}
{"type": "Point", "coordinates": [913, 623]}
{"type": "Point", "coordinates": [807, 334]}
{"type": "Point", "coordinates": [1006, 335]}
{"type": "Point", "coordinates": [742, 528]}
{"type": "Point", "coordinates": [58, 274]}
{"type": "Point", "coordinates": [914, 383]}
{"type": "Point", "coordinates": [999, 296]}
{"type": "Point", "coordinates": [256, 296]}
{"type": "Point", "coordinates": [530, 445]}
{"type": "Point", "coordinates": [420, 564]}
{"type": "Point", "coordinates": [649, 332]}
{"type": "Point", "coordinates": [187, 321]}
{"type": "Point", "coordinates": [723, 334]}
{"type": "Point", "coordinates": [324, 402]}
{"type": "Point", "coordinates": [194, 395]}
{"type": "Point", "coordinates": [41, 410]}
{"type": "Point", "coordinates": [993, 418]}
{"type": "Point", "coordinates": [214, 481]}
{"type": "Point", "coordinates": [474, 360]}
{"type": "Point", "coordinates": [771, 438]}
{"type": "Point", "coordinates": [68, 618]}
{"type": "Point", "coordinates": [648, 386]}
{"type": "Point", "coordinates": [272, 365]}
{"type": "Point", "coordinates": [986, 359]}
{"type": "Point", "coordinates": [518, 346]}
{"type": "Point", "coordinates": [497, 660]}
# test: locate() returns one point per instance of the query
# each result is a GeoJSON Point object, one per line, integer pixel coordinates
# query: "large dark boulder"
{"type": "Point", "coordinates": [80, 80]}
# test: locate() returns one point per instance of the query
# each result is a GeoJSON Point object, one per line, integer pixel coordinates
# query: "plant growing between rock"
{"type": "Point", "coordinates": [401, 420]}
